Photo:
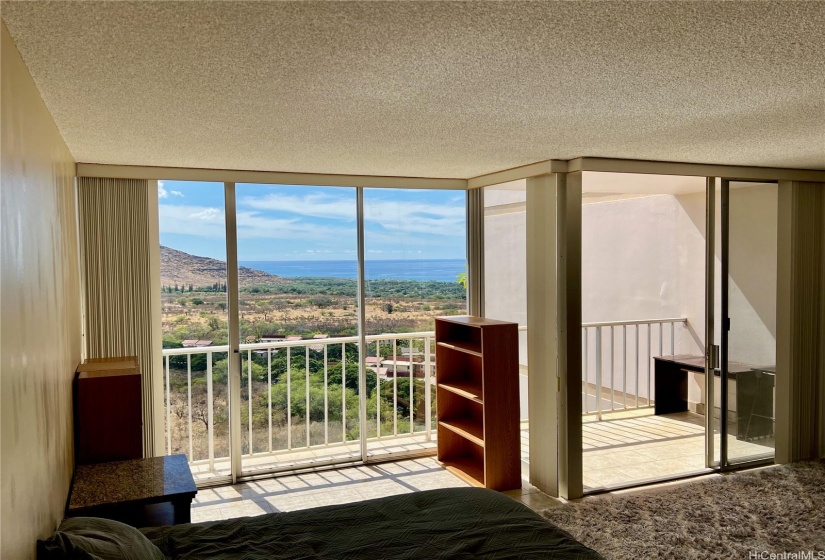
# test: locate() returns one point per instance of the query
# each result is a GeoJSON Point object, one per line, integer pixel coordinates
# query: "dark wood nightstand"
{"type": "Point", "coordinates": [140, 492]}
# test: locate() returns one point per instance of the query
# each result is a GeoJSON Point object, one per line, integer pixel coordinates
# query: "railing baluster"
{"type": "Point", "coordinates": [637, 366]}
{"type": "Point", "coordinates": [228, 389]}
{"type": "Point", "coordinates": [661, 328]}
{"type": "Point", "coordinates": [289, 398]}
{"type": "Point", "coordinates": [672, 338]}
{"type": "Point", "coordinates": [412, 385]}
{"type": "Point", "coordinates": [394, 387]}
{"type": "Point", "coordinates": [624, 365]}
{"type": "Point", "coordinates": [586, 373]}
{"type": "Point", "coordinates": [344, 392]}
{"type": "Point", "coordinates": [189, 401]}
{"type": "Point", "coordinates": [249, 396]}
{"type": "Point", "coordinates": [306, 386]}
{"type": "Point", "coordinates": [378, 390]}
{"type": "Point", "coordinates": [168, 412]}
{"type": "Point", "coordinates": [428, 410]}
{"type": "Point", "coordinates": [599, 372]}
{"type": "Point", "coordinates": [612, 373]}
{"type": "Point", "coordinates": [649, 351]}
{"type": "Point", "coordinates": [269, 394]}
{"type": "Point", "coordinates": [326, 396]}
{"type": "Point", "coordinates": [210, 413]}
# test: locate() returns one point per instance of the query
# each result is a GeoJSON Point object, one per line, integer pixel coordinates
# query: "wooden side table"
{"type": "Point", "coordinates": [126, 491]}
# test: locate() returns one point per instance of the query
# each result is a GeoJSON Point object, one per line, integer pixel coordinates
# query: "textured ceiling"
{"type": "Point", "coordinates": [430, 89]}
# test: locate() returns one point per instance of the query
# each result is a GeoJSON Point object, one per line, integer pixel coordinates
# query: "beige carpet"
{"type": "Point", "coordinates": [779, 509]}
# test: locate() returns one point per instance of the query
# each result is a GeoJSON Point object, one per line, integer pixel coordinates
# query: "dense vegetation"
{"type": "Point", "coordinates": [306, 307]}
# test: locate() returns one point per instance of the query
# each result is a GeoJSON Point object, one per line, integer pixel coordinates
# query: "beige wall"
{"type": "Point", "coordinates": [40, 312]}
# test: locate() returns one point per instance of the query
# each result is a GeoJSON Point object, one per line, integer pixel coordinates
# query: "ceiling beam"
{"type": "Point", "coordinates": [514, 174]}
{"type": "Point", "coordinates": [694, 169]}
{"type": "Point", "coordinates": [266, 177]}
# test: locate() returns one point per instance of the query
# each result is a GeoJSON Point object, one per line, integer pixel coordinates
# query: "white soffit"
{"type": "Point", "coordinates": [428, 89]}
{"type": "Point", "coordinates": [597, 183]}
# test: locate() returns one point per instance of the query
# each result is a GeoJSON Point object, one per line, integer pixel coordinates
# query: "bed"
{"type": "Point", "coordinates": [452, 523]}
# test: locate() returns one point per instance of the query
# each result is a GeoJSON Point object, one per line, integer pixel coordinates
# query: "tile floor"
{"type": "Point", "coordinates": [635, 446]}
{"type": "Point", "coordinates": [340, 486]}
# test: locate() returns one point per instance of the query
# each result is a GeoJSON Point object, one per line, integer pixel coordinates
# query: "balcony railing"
{"type": "Point", "coordinates": [617, 362]}
{"type": "Point", "coordinates": [298, 395]}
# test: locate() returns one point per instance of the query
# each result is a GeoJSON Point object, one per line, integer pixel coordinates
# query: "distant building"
{"type": "Point", "coordinates": [196, 343]}
{"type": "Point", "coordinates": [318, 347]}
{"type": "Point", "coordinates": [272, 337]}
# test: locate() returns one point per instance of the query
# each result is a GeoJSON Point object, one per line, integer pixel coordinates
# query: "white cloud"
{"type": "Point", "coordinates": [163, 193]}
{"type": "Point", "coordinates": [405, 216]}
{"type": "Point", "coordinates": [206, 221]}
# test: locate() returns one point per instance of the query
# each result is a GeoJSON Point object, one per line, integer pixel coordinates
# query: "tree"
{"type": "Point", "coordinates": [265, 309]}
{"type": "Point", "coordinates": [197, 301]}
{"type": "Point", "coordinates": [388, 307]}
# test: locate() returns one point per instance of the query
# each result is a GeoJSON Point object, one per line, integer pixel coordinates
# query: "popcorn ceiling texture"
{"type": "Point", "coordinates": [430, 89]}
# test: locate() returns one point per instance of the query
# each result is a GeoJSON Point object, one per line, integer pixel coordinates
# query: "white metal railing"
{"type": "Point", "coordinates": [625, 350]}
{"type": "Point", "coordinates": [418, 375]}
{"type": "Point", "coordinates": [614, 377]}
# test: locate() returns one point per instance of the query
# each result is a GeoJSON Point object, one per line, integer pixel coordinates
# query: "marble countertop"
{"type": "Point", "coordinates": [137, 480]}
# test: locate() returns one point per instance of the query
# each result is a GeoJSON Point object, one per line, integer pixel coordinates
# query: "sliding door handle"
{"type": "Point", "coordinates": [713, 356]}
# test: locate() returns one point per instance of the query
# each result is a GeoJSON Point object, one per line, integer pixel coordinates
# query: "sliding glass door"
{"type": "Point", "coordinates": [299, 390]}
{"type": "Point", "coordinates": [194, 323]}
{"type": "Point", "coordinates": [748, 321]}
{"type": "Point", "coordinates": [414, 257]}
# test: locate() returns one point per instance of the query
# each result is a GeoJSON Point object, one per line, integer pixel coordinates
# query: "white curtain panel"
{"type": "Point", "coordinates": [116, 243]}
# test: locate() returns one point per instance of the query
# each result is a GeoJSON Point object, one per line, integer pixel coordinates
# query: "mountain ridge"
{"type": "Point", "coordinates": [183, 269]}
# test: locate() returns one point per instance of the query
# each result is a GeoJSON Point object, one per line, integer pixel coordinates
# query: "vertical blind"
{"type": "Point", "coordinates": [116, 245]}
{"type": "Point", "coordinates": [807, 395]}
{"type": "Point", "coordinates": [806, 400]}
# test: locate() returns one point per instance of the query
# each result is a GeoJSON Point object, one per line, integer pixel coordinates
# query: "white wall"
{"type": "Point", "coordinates": [41, 312]}
{"type": "Point", "coordinates": [505, 265]}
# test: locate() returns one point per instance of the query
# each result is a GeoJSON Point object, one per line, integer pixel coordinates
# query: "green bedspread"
{"type": "Point", "coordinates": [453, 523]}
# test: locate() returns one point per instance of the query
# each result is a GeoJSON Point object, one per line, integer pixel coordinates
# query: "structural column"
{"type": "Point", "coordinates": [475, 252]}
{"type": "Point", "coordinates": [553, 327]}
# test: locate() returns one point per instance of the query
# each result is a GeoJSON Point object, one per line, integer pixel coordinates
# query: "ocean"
{"type": "Point", "coordinates": [442, 270]}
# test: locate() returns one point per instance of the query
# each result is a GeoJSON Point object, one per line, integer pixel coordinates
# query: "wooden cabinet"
{"type": "Point", "coordinates": [477, 400]}
{"type": "Point", "coordinates": [108, 410]}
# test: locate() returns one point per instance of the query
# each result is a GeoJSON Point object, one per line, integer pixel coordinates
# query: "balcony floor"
{"type": "Point", "coordinates": [637, 446]}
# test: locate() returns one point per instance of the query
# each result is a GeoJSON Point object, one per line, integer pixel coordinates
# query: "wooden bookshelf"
{"type": "Point", "coordinates": [477, 400]}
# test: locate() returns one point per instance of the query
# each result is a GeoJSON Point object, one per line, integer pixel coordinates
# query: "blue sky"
{"type": "Point", "coordinates": [285, 223]}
